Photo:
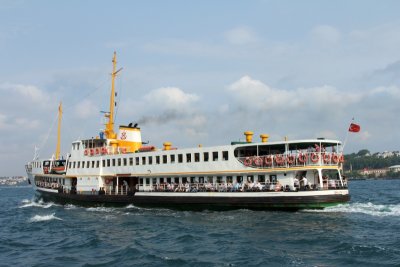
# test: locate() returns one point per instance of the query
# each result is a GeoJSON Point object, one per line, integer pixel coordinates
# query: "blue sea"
{"type": "Point", "coordinates": [364, 232]}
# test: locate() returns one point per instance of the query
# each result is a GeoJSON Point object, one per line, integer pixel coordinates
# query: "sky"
{"type": "Point", "coordinates": [198, 72]}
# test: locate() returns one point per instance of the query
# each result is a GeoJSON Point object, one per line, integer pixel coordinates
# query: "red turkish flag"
{"type": "Point", "coordinates": [354, 128]}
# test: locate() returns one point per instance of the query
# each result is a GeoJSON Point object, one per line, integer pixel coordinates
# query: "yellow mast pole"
{"type": "Point", "coordinates": [109, 131]}
{"type": "Point", "coordinates": [59, 131]}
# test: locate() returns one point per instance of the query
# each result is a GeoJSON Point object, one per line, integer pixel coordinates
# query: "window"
{"type": "Point", "coordinates": [176, 180]}
{"type": "Point", "coordinates": [130, 161]}
{"type": "Point", "coordinates": [180, 158]}
{"type": "Point", "coordinates": [172, 158]}
{"type": "Point", "coordinates": [113, 162]}
{"type": "Point", "coordinates": [164, 159]}
{"type": "Point", "coordinates": [103, 164]}
{"type": "Point", "coordinates": [219, 179]}
{"type": "Point", "coordinates": [108, 162]}
{"type": "Point", "coordinates": [98, 164]}
{"type": "Point", "coordinates": [79, 165]}
{"type": "Point", "coordinates": [77, 145]}
{"type": "Point", "coordinates": [261, 178]}
{"type": "Point", "coordinates": [119, 161]}
{"type": "Point", "coordinates": [229, 179]}
{"type": "Point", "coordinates": [150, 160]}
{"type": "Point", "coordinates": [188, 157]}
{"type": "Point", "coordinates": [137, 160]}
{"type": "Point", "coordinates": [224, 155]}
{"type": "Point", "coordinates": [88, 164]}
{"type": "Point", "coordinates": [206, 156]}
{"type": "Point", "coordinates": [74, 165]}
{"type": "Point", "coordinates": [196, 157]}
{"type": "Point", "coordinates": [215, 156]}
{"type": "Point", "coordinates": [157, 159]}
{"type": "Point", "coordinates": [143, 160]}
{"type": "Point", "coordinates": [92, 163]}
{"type": "Point", "coordinates": [83, 164]}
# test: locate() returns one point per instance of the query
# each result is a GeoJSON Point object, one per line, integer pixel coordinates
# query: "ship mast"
{"type": "Point", "coordinates": [109, 131]}
{"type": "Point", "coordinates": [59, 131]}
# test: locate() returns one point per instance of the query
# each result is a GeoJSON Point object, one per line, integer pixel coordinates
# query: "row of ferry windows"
{"type": "Point", "coordinates": [149, 160]}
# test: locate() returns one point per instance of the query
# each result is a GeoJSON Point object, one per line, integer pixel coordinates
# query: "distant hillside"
{"type": "Point", "coordinates": [356, 162]}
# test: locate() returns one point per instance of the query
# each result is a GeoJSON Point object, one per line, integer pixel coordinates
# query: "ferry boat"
{"type": "Point", "coordinates": [119, 168]}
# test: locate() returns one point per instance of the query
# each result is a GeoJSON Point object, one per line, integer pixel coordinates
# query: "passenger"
{"type": "Point", "coordinates": [278, 186]}
{"type": "Point", "coordinates": [258, 186]}
{"type": "Point", "coordinates": [187, 187]}
{"type": "Point", "coordinates": [296, 183]}
{"type": "Point", "coordinates": [305, 183]}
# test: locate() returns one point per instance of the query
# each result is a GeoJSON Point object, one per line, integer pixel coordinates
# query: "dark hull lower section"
{"type": "Point", "coordinates": [202, 203]}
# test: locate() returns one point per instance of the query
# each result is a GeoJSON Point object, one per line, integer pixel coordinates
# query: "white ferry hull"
{"type": "Point", "coordinates": [209, 200]}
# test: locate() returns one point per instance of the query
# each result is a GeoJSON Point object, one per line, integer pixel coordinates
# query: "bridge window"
{"type": "Point", "coordinates": [130, 161]}
{"type": "Point", "coordinates": [164, 159]}
{"type": "Point", "coordinates": [188, 157]}
{"type": "Point", "coordinates": [137, 160]}
{"type": "Point", "coordinates": [113, 162]}
{"type": "Point", "coordinates": [180, 158]}
{"type": "Point", "coordinates": [150, 160]}
{"type": "Point", "coordinates": [119, 161]}
{"type": "Point", "coordinates": [172, 158]}
{"type": "Point", "coordinates": [143, 160]}
{"type": "Point", "coordinates": [196, 157]}
{"type": "Point", "coordinates": [215, 156]}
{"type": "Point", "coordinates": [108, 162]}
{"type": "Point", "coordinates": [225, 155]}
{"type": "Point", "coordinates": [206, 156]}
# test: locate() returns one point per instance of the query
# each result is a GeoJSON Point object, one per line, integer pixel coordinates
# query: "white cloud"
{"type": "Point", "coordinates": [171, 98]}
{"type": "Point", "coordinates": [326, 34]}
{"type": "Point", "coordinates": [240, 36]}
{"type": "Point", "coordinates": [86, 109]}
{"type": "Point", "coordinates": [27, 92]}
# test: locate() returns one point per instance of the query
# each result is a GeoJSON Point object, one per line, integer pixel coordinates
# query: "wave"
{"type": "Point", "coordinates": [369, 208]}
{"type": "Point", "coordinates": [40, 204]}
{"type": "Point", "coordinates": [42, 218]}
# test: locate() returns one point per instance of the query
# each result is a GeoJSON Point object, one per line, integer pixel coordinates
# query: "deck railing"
{"type": "Point", "coordinates": [293, 160]}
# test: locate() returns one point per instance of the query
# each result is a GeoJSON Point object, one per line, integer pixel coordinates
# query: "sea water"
{"type": "Point", "coordinates": [364, 232]}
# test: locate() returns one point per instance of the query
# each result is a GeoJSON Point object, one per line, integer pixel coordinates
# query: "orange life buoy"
{"type": "Point", "coordinates": [302, 158]}
{"type": "Point", "coordinates": [314, 157]}
{"type": "Point", "coordinates": [290, 159]}
{"type": "Point", "coordinates": [123, 150]}
{"type": "Point", "coordinates": [247, 161]}
{"type": "Point", "coordinates": [86, 152]}
{"type": "Point", "coordinates": [327, 158]}
{"type": "Point", "coordinates": [335, 158]}
{"type": "Point", "coordinates": [268, 160]}
{"type": "Point", "coordinates": [97, 150]}
{"type": "Point", "coordinates": [341, 159]}
{"type": "Point", "coordinates": [91, 152]}
{"type": "Point", "coordinates": [257, 161]}
{"type": "Point", "coordinates": [103, 150]}
{"type": "Point", "coordinates": [279, 159]}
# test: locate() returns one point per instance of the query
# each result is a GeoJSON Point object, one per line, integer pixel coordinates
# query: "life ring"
{"type": "Point", "coordinates": [91, 152]}
{"type": "Point", "coordinates": [86, 152]}
{"type": "Point", "coordinates": [97, 150]}
{"type": "Point", "coordinates": [341, 159]}
{"type": "Point", "coordinates": [279, 159]}
{"type": "Point", "coordinates": [247, 161]}
{"type": "Point", "coordinates": [123, 150]}
{"type": "Point", "coordinates": [335, 158]}
{"type": "Point", "coordinates": [290, 159]}
{"type": "Point", "coordinates": [268, 160]}
{"type": "Point", "coordinates": [257, 161]}
{"type": "Point", "coordinates": [108, 180]}
{"type": "Point", "coordinates": [314, 157]}
{"type": "Point", "coordinates": [103, 150]}
{"type": "Point", "coordinates": [302, 158]}
{"type": "Point", "coordinates": [327, 158]}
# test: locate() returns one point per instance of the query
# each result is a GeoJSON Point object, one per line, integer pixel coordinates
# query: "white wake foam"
{"type": "Point", "coordinates": [41, 218]}
{"type": "Point", "coordinates": [40, 204]}
{"type": "Point", "coordinates": [365, 208]}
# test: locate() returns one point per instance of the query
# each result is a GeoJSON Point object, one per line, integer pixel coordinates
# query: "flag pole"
{"type": "Point", "coordinates": [347, 135]}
